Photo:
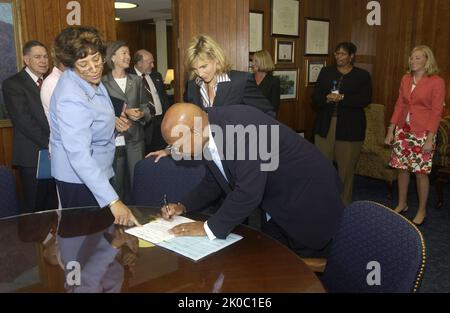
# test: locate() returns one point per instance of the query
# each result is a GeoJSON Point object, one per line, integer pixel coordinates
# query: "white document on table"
{"type": "Point", "coordinates": [158, 230]}
{"type": "Point", "coordinates": [195, 248]}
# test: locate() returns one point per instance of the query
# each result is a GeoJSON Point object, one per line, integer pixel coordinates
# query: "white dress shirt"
{"type": "Point", "coordinates": [47, 88]}
{"type": "Point", "coordinates": [212, 147]}
{"type": "Point", "coordinates": [122, 82]}
{"type": "Point", "coordinates": [222, 78]}
{"type": "Point", "coordinates": [156, 100]}
{"type": "Point", "coordinates": [33, 76]}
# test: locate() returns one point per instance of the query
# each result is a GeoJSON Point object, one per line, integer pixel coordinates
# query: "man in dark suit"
{"type": "Point", "coordinates": [31, 129]}
{"type": "Point", "coordinates": [286, 176]}
{"type": "Point", "coordinates": [154, 86]}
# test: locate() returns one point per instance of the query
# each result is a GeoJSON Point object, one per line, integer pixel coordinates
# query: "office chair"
{"type": "Point", "coordinates": [173, 178]}
{"type": "Point", "coordinates": [375, 250]}
{"type": "Point", "coordinates": [8, 197]}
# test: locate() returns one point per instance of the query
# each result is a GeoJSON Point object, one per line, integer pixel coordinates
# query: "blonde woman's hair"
{"type": "Point", "coordinates": [203, 47]}
{"type": "Point", "coordinates": [265, 62]}
{"type": "Point", "coordinates": [431, 66]}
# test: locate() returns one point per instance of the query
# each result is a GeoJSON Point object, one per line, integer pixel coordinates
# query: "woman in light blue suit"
{"type": "Point", "coordinates": [82, 123]}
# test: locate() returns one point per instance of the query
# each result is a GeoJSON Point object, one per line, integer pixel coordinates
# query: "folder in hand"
{"type": "Point", "coordinates": [43, 166]}
{"type": "Point", "coordinates": [119, 106]}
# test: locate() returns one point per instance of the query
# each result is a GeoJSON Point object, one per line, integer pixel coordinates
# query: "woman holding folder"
{"type": "Point", "coordinates": [82, 125]}
{"type": "Point", "coordinates": [127, 93]}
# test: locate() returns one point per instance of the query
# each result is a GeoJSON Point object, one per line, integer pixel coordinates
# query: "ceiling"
{"type": "Point", "coordinates": [147, 9]}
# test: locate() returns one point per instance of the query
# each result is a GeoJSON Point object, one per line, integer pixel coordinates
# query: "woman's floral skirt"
{"type": "Point", "coordinates": [407, 151]}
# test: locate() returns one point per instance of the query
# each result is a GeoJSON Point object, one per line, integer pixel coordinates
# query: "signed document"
{"type": "Point", "coordinates": [195, 248]}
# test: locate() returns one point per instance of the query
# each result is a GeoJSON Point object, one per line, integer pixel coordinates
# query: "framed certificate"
{"type": "Point", "coordinates": [317, 38]}
{"type": "Point", "coordinates": [285, 14]}
{"type": "Point", "coordinates": [256, 22]}
{"type": "Point", "coordinates": [284, 51]}
{"type": "Point", "coordinates": [313, 70]}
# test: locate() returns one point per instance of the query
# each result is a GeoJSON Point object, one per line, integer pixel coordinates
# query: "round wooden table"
{"type": "Point", "coordinates": [40, 253]}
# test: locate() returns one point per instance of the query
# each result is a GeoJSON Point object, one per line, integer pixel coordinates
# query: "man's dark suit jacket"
{"type": "Point", "coordinates": [31, 129]}
{"type": "Point", "coordinates": [159, 84]}
{"type": "Point", "coordinates": [302, 195]}
{"type": "Point", "coordinates": [242, 89]}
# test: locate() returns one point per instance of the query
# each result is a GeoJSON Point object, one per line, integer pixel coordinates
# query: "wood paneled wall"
{"type": "Point", "coordinates": [131, 33]}
{"type": "Point", "coordinates": [224, 20]}
{"type": "Point", "coordinates": [6, 138]}
{"type": "Point", "coordinates": [386, 48]}
{"type": "Point", "coordinates": [297, 114]}
{"type": "Point", "coordinates": [142, 35]}
{"type": "Point", "coordinates": [44, 19]}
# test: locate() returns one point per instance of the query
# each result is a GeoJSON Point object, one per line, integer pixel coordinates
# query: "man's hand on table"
{"type": "Point", "coordinates": [189, 229]}
{"type": "Point", "coordinates": [186, 229]}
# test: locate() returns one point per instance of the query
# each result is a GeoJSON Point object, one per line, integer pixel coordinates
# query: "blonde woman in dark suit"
{"type": "Point", "coordinates": [213, 82]}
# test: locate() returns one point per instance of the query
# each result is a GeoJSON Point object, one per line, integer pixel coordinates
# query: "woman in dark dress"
{"type": "Point", "coordinates": [262, 67]}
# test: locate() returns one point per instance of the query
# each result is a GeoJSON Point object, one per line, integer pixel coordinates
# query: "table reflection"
{"type": "Point", "coordinates": [81, 250]}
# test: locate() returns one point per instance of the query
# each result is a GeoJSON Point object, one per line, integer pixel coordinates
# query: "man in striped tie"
{"type": "Point", "coordinates": [153, 83]}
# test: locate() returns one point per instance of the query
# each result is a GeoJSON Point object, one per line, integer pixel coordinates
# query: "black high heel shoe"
{"type": "Point", "coordinates": [419, 224]}
{"type": "Point", "coordinates": [403, 211]}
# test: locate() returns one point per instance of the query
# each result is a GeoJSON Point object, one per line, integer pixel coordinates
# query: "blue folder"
{"type": "Point", "coordinates": [43, 166]}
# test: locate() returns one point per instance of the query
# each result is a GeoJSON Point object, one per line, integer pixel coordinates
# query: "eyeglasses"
{"type": "Point", "coordinates": [92, 66]}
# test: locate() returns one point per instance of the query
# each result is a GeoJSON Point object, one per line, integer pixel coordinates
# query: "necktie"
{"type": "Point", "coordinates": [151, 103]}
{"type": "Point", "coordinates": [39, 82]}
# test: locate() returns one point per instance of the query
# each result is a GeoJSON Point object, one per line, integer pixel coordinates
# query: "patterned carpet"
{"type": "Point", "coordinates": [436, 228]}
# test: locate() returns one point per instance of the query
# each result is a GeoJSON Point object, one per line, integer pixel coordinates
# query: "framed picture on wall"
{"type": "Point", "coordinates": [10, 45]}
{"type": "Point", "coordinates": [288, 83]}
{"type": "Point", "coordinates": [317, 38]}
{"type": "Point", "coordinates": [313, 70]}
{"type": "Point", "coordinates": [285, 15]}
{"type": "Point", "coordinates": [284, 51]}
{"type": "Point", "coordinates": [256, 31]}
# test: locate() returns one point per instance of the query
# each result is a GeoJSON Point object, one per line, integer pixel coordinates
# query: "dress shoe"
{"type": "Point", "coordinates": [403, 211]}
{"type": "Point", "coordinates": [419, 224]}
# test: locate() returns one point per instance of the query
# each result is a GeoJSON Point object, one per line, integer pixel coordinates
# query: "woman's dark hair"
{"type": "Point", "coordinates": [348, 47]}
{"type": "Point", "coordinates": [77, 42]}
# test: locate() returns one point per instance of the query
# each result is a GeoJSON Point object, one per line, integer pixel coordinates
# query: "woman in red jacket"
{"type": "Point", "coordinates": [413, 127]}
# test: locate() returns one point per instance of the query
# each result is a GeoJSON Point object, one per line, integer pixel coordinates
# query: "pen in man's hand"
{"type": "Point", "coordinates": [166, 205]}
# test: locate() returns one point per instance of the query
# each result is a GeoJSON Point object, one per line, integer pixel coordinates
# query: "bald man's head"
{"type": "Point", "coordinates": [144, 61]}
{"type": "Point", "coordinates": [183, 126]}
